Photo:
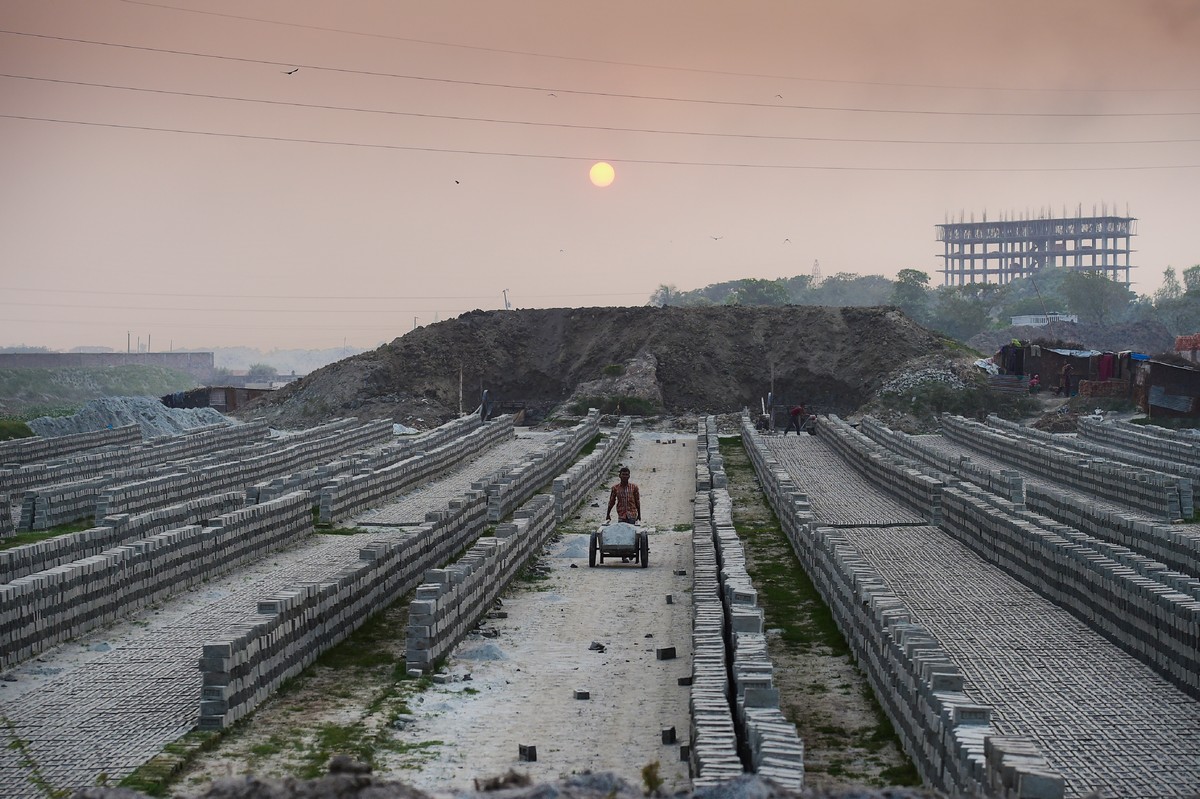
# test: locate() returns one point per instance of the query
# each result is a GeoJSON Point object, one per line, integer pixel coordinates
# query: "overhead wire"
{"type": "Point", "coordinates": [643, 161]}
{"type": "Point", "coordinates": [616, 95]}
{"type": "Point", "coordinates": [665, 67]}
{"type": "Point", "coordinates": [572, 126]}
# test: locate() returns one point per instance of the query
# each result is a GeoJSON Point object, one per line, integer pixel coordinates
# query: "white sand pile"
{"type": "Point", "coordinates": [154, 418]}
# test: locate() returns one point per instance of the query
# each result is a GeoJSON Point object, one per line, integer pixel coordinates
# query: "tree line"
{"type": "Point", "coordinates": [964, 311]}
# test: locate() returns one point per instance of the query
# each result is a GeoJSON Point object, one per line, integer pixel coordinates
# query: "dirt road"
{"type": "Point", "coordinates": [523, 683]}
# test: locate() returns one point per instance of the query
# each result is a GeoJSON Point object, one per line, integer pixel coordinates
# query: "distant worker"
{"type": "Point", "coordinates": [799, 415]}
{"type": "Point", "coordinates": [626, 497]}
{"type": "Point", "coordinates": [1064, 382]}
{"type": "Point", "coordinates": [1035, 384]}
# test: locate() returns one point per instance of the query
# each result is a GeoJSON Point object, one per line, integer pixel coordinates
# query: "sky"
{"type": "Point", "coordinates": [295, 173]}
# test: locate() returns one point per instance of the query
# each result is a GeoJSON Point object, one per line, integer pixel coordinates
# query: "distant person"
{"type": "Point", "coordinates": [627, 499]}
{"type": "Point", "coordinates": [1035, 384]}
{"type": "Point", "coordinates": [798, 415]}
{"type": "Point", "coordinates": [1064, 380]}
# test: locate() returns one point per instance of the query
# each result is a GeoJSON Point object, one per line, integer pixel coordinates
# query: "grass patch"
{"type": "Point", "coordinates": [615, 405]}
{"type": "Point", "coordinates": [339, 531]}
{"type": "Point", "coordinates": [368, 647]}
{"type": "Point", "coordinates": [589, 447]}
{"type": "Point", "coordinates": [154, 777]}
{"type": "Point", "coordinates": [33, 536]}
{"type": "Point", "coordinates": [14, 428]}
{"type": "Point", "coordinates": [790, 601]}
{"type": "Point", "coordinates": [792, 605]}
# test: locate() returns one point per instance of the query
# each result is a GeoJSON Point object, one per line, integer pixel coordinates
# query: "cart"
{"type": "Point", "coordinates": [621, 540]}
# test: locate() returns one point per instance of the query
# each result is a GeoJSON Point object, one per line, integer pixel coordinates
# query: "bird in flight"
{"type": "Point", "coordinates": [293, 72]}
{"type": "Point", "coordinates": [787, 241]}
{"type": "Point", "coordinates": [716, 238]}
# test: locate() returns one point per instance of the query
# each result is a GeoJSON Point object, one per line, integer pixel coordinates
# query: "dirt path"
{"type": "Point", "coordinates": [523, 682]}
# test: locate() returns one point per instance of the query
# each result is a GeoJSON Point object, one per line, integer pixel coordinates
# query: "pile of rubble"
{"type": "Point", "coordinates": [154, 418]}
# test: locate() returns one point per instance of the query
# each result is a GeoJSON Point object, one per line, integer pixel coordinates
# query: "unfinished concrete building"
{"type": "Point", "coordinates": [1003, 250]}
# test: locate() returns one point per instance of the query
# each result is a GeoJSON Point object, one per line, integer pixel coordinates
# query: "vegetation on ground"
{"type": "Point", "coordinates": [33, 536]}
{"type": "Point", "coordinates": [802, 624]}
{"type": "Point", "coordinates": [26, 392]}
{"type": "Point", "coordinates": [616, 405]}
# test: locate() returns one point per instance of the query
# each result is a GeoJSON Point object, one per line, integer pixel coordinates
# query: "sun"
{"type": "Point", "coordinates": [602, 174]}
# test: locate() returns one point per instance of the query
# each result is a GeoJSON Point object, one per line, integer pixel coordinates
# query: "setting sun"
{"type": "Point", "coordinates": [602, 174]}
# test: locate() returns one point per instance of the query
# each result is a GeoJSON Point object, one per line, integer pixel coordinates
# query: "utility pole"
{"type": "Point", "coordinates": [414, 323]}
{"type": "Point", "coordinates": [507, 307]}
{"type": "Point", "coordinates": [128, 341]}
{"type": "Point", "coordinates": [460, 388]}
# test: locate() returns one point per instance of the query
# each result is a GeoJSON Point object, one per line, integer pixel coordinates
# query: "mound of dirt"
{"type": "Point", "coordinates": [678, 360]}
{"type": "Point", "coordinates": [1150, 338]}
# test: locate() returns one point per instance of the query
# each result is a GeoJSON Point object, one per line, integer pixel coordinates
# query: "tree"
{"type": "Point", "coordinates": [261, 373]}
{"type": "Point", "coordinates": [962, 311]}
{"type": "Point", "coordinates": [1095, 298]}
{"type": "Point", "coordinates": [911, 293]}
{"type": "Point", "coordinates": [665, 294]}
{"type": "Point", "coordinates": [1191, 280]}
{"type": "Point", "coordinates": [846, 289]}
{"type": "Point", "coordinates": [1170, 289]}
{"type": "Point", "coordinates": [752, 291]}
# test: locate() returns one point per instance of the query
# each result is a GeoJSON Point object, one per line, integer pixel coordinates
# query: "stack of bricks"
{"type": "Point", "coordinates": [1157, 442]}
{"type": "Point", "coordinates": [407, 446]}
{"type": "Point", "coordinates": [1177, 548]}
{"type": "Point", "coordinates": [61, 504]}
{"type": "Point", "coordinates": [1131, 601]}
{"type": "Point", "coordinates": [512, 485]}
{"type": "Point", "coordinates": [714, 747]}
{"type": "Point", "coordinates": [1006, 483]}
{"type": "Point", "coordinates": [36, 449]}
{"type": "Point", "coordinates": [451, 601]}
{"type": "Point", "coordinates": [1149, 491]}
{"type": "Point", "coordinates": [106, 461]}
{"type": "Point", "coordinates": [45, 608]}
{"type": "Point", "coordinates": [310, 481]}
{"type": "Point", "coordinates": [1089, 447]}
{"type": "Point", "coordinates": [941, 727]}
{"type": "Point", "coordinates": [7, 527]}
{"type": "Point", "coordinates": [1138, 602]}
{"type": "Point", "coordinates": [775, 749]}
{"type": "Point", "coordinates": [280, 459]}
{"type": "Point", "coordinates": [349, 495]}
{"type": "Point", "coordinates": [296, 626]}
{"type": "Point", "coordinates": [903, 479]}
{"type": "Point", "coordinates": [113, 531]}
{"type": "Point", "coordinates": [576, 483]}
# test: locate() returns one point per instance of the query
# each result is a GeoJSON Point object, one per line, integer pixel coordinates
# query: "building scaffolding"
{"type": "Point", "coordinates": [1007, 249]}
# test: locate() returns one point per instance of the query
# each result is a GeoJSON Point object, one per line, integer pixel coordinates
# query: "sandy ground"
{"type": "Point", "coordinates": [522, 684]}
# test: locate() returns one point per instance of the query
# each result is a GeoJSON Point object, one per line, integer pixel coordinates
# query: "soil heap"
{"type": "Point", "coordinates": [675, 360]}
{"type": "Point", "coordinates": [1150, 338]}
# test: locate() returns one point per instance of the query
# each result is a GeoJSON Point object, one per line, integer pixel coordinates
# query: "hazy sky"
{"type": "Point", "coordinates": [162, 175]}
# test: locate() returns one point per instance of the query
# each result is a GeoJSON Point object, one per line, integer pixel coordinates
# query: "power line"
{"type": "Point", "coordinates": [403, 298]}
{"type": "Point", "coordinates": [610, 95]}
{"type": "Point", "coordinates": [94, 306]}
{"type": "Point", "coordinates": [644, 161]}
{"type": "Point", "coordinates": [608, 62]}
{"type": "Point", "coordinates": [571, 126]}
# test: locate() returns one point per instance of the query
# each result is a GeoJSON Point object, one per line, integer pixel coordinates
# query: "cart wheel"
{"type": "Point", "coordinates": [592, 551]}
{"type": "Point", "coordinates": [644, 549]}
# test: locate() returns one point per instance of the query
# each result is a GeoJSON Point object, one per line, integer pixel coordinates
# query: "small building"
{"type": "Point", "coordinates": [1041, 320]}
